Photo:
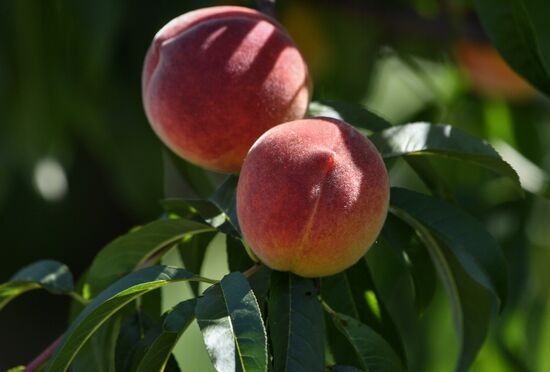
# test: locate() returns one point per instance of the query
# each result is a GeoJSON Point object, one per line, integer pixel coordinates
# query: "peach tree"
{"type": "Point", "coordinates": [305, 224]}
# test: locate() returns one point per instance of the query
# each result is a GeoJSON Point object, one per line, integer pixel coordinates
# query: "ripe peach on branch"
{"type": "Point", "coordinates": [312, 196]}
{"type": "Point", "coordinates": [215, 79]}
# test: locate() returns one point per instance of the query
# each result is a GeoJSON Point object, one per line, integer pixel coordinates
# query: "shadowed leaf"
{"type": "Point", "coordinates": [50, 275]}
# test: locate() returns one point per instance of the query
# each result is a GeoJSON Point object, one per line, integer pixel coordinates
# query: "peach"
{"type": "Point", "coordinates": [312, 196]}
{"type": "Point", "coordinates": [215, 79]}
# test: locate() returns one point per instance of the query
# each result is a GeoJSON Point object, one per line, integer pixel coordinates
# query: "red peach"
{"type": "Point", "coordinates": [312, 196]}
{"type": "Point", "coordinates": [215, 79]}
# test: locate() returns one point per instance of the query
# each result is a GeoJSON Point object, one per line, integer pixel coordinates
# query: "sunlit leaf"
{"type": "Point", "coordinates": [441, 140]}
{"type": "Point", "coordinates": [108, 303]}
{"type": "Point", "coordinates": [232, 326]}
{"type": "Point", "coordinates": [128, 252]}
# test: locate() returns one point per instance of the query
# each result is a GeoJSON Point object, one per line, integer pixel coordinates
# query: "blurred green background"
{"type": "Point", "coordinates": [79, 164]}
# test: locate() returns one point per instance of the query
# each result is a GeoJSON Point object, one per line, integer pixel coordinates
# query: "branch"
{"type": "Point", "coordinates": [44, 356]}
{"type": "Point", "coordinates": [251, 270]}
{"type": "Point", "coordinates": [267, 7]}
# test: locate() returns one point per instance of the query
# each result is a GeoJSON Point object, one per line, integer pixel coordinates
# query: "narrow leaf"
{"type": "Point", "coordinates": [520, 31]}
{"type": "Point", "coordinates": [108, 303]}
{"type": "Point", "coordinates": [126, 253]}
{"type": "Point", "coordinates": [237, 257]}
{"type": "Point", "coordinates": [98, 354]}
{"type": "Point", "coordinates": [192, 249]}
{"type": "Point", "coordinates": [476, 250]}
{"type": "Point", "coordinates": [374, 353]}
{"type": "Point", "coordinates": [296, 324]}
{"type": "Point", "coordinates": [225, 199]}
{"type": "Point", "coordinates": [188, 174]}
{"type": "Point", "coordinates": [342, 368]}
{"type": "Point", "coordinates": [471, 302]}
{"type": "Point", "coordinates": [131, 333]}
{"type": "Point", "coordinates": [239, 260]}
{"type": "Point", "coordinates": [401, 238]}
{"type": "Point", "coordinates": [188, 207]}
{"type": "Point", "coordinates": [351, 113]}
{"type": "Point", "coordinates": [441, 140]}
{"type": "Point", "coordinates": [50, 275]}
{"type": "Point", "coordinates": [353, 293]}
{"type": "Point", "coordinates": [232, 326]}
{"type": "Point", "coordinates": [161, 343]}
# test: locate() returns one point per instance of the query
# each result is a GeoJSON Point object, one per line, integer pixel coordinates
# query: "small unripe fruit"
{"type": "Point", "coordinates": [312, 196]}
{"type": "Point", "coordinates": [215, 79]}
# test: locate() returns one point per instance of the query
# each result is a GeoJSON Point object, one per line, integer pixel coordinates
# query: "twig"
{"type": "Point", "coordinates": [78, 298]}
{"type": "Point", "coordinates": [267, 7]}
{"type": "Point", "coordinates": [251, 270]}
{"type": "Point", "coordinates": [44, 356]}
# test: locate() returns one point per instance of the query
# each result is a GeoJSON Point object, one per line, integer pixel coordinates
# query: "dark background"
{"type": "Point", "coordinates": [79, 164]}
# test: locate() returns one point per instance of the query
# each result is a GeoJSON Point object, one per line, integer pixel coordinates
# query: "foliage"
{"type": "Point", "coordinates": [256, 319]}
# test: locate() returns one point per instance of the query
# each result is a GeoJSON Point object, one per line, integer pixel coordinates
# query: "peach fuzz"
{"type": "Point", "coordinates": [215, 79]}
{"type": "Point", "coordinates": [312, 196]}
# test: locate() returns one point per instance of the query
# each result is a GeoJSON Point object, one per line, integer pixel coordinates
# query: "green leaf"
{"type": "Point", "coordinates": [440, 140]}
{"type": "Point", "coordinates": [108, 303]}
{"type": "Point", "coordinates": [160, 343]}
{"type": "Point", "coordinates": [374, 353]}
{"type": "Point", "coordinates": [131, 333]}
{"type": "Point", "coordinates": [352, 113]}
{"type": "Point", "coordinates": [476, 250]}
{"type": "Point", "coordinates": [192, 250]}
{"type": "Point", "coordinates": [520, 31]}
{"type": "Point", "coordinates": [130, 251]}
{"type": "Point", "coordinates": [98, 353]}
{"type": "Point", "coordinates": [471, 302]}
{"type": "Point", "coordinates": [401, 238]}
{"type": "Point", "coordinates": [232, 326]}
{"type": "Point", "coordinates": [225, 199]}
{"type": "Point", "coordinates": [342, 368]}
{"type": "Point", "coordinates": [186, 208]}
{"type": "Point", "coordinates": [353, 293]}
{"type": "Point", "coordinates": [296, 324]}
{"type": "Point", "coordinates": [50, 275]}
{"type": "Point", "coordinates": [17, 369]}
{"type": "Point", "coordinates": [191, 175]}
{"type": "Point", "coordinates": [237, 257]}
{"type": "Point", "coordinates": [361, 118]}
{"type": "Point", "coordinates": [239, 260]}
